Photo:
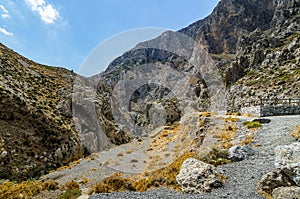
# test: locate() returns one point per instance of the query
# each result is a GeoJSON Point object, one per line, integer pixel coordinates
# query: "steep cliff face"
{"type": "Point", "coordinates": [222, 28]}
{"type": "Point", "coordinates": [267, 62]}
{"type": "Point", "coordinates": [36, 129]}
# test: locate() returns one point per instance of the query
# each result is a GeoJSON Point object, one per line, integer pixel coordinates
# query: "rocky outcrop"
{"type": "Point", "coordinates": [198, 177]}
{"type": "Point", "coordinates": [239, 153]}
{"type": "Point", "coordinates": [288, 160]}
{"type": "Point", "coordinates": [273, 180]}
{"type": "Point", "coordinates": [223, 27]}
{"type": "Point", "coordinates": [286, 192]}
{"type": "Point", "coordinates": [286, 177]}
{"type": "Point", "coordinates": [266, 62]}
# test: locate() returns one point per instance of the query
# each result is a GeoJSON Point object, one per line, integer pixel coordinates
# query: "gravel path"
{"type": "Point", "coordinates": [241, 176]}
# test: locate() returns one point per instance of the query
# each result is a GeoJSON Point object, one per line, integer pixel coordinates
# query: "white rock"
{"type": "Point", "coordinates": [197, 177]}
{"type": "Point", "coordinates": [4, 154]}
{"type": "Point", "coordinates": [287, 158]}
{"type": "Point", "coordinates": [238, 153]}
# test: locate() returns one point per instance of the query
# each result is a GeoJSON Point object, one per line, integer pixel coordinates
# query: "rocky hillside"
{"type": "Point", "coordinates": [267, 61]}
{"type": "Point", "coordinates": [37, 133]}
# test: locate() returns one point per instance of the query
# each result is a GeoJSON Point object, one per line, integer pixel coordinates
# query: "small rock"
{"type": "Point", "coordinates": [286, 192]}
{"type": "Point", "coordinates": [238, 153]}
{"type": "Point", "coordinates": [4, 154]}
{"type": "Point", "coordinates": [197, 177]}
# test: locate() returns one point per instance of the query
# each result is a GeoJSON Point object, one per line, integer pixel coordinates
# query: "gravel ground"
{"type": "Point", "coordinates": [241, 176]}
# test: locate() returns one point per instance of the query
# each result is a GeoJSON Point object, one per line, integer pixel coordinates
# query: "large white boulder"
{"type": "Point", "coordinates": [197, 177]}
{"type": "Point", "coordinates": [287, 158]}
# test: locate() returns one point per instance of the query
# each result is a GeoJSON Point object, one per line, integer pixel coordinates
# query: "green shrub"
{"type": "Point", "coordinates": [251, 125]}
{"type": "Point", "coordinates": [70, 194]}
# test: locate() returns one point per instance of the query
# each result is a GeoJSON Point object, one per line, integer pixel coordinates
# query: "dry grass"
{"type": "Point", "coordinates": [249, 139]}
{"type": "Point", "coordinates": [231, 119]}
{"type": "Point", "coordinates": [71, 185]}
{"type": "Point", "coordinates": [205, 114]}
{"type": "Point", "coordinates": [231, 128]}
{"type": "Point", "coordinates": [234, 114]}
{"type": "Point", "coordinates": [61, 168]}
{"type": "Point", "coordinates": [222, 177]}
{"type": "Point", "coordinates": [214, 156]}
{"type": "Point", "coordinates": [114, 183]}
{"type": "Point", "coordinates": [70, 194]}
{"type": "Point", "coordinates": [162, 177]}
{"type": "Point", "coordinates": [226, 136]}
{"type": "Point", "coordinates": [296, 133]}
{"type": "Point", "coordinates": [26, 189]}
{"type": "Point", "coordinates": [267, 194]}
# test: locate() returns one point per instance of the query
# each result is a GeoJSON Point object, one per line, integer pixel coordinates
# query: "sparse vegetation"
{"type": "Point", "coordinates": [248, 139]}
{"type": "Point", "coordinates": [162, 177]}
{"type": "Point", "coordinates": [26, 189]}
{"type": "Point", "coordinates": [71, 185]}
{"type": "Point", "coordinates": [70, 194]}
{"type": "Point", "coordinates": [231, 119]}
{"type": "Point", "coordinates": [72, 191]}
{"type": "Point", "coordinates": [214, 156]}
{"type": "Point", "coordinates": [114, 183]}
{"type": "Point", "coordinates": [226, 135]}
{"type": "Point", "coordinates": [296, 133]}
{"type": "Point", "coordinates": [251, 125]}
{"type": "Point", "coordinates": [205, 114]}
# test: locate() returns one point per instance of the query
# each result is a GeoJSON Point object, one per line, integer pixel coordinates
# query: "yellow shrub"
{"type": "Point", "coordinates": [205, 114]}
{"type": "Point", "coordinates": [296, 133]}
{"type": "Point", "coordinates": [231, 119]}
{"type": "Point", "coordinates": [249, 139]}
{"type": "Point", "coordinates": [114, 183]}
{"type": "Point", "coordinates": [50, 185]}
{"type": "Point", "coordinates": [71, 185]}
{"type": "Point", "coordinates": [163, 177]}
{"type": "Point", "coordinates": [26, 189]}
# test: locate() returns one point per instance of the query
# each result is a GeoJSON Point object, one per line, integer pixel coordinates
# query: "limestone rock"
{"type": "Point", "coordinates": [286, 192]}
{"type": "Point", "coordinates": [238, 153]}
{"type": "Point", "coordinates": [288, 159]}
{"type": "Point", "coordinates": [198, 177]}
{"type": "Point", "coordinates": [272, 180]}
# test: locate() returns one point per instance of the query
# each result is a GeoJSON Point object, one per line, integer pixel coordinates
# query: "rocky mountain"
{"type": "Point", "coordinates": [250, 52]}
{"type": "Point", "coordinates": [158, 94]}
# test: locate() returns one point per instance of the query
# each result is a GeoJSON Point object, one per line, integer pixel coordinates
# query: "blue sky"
{"type": "Point", "coordinates": [64, 32]}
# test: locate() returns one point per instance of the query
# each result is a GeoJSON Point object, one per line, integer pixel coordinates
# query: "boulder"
{"type": "Point", "coordinates": [286, 192]}
{"type": "Point", "coordinates": [273, 180]}
{"type": "Point", "coordinates": [262, 120]}
{"type": "Point", "coordinates": [287, 158]}
{"type": "Point", "coordinates": [238, 153]}
{"type": "Point", "coordinates": [197, 177]}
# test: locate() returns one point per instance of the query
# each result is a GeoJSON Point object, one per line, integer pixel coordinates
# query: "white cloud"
{"type": "Point", "coordinates": [4, 31]}
{"type": "Point", "coordinates": [4, 12]}
{"type": "Point", "coordinates": [46, 11]}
